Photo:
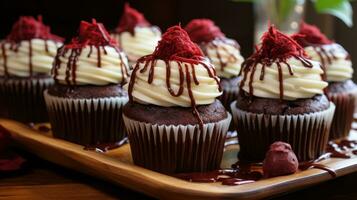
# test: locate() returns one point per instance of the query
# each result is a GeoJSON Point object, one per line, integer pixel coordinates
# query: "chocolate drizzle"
{"type": "Point", "coordinates": [232, 58]}
{"type": "Point", "coordinates": [250, 65]}
{"type": "Point", "coordinates": [71, 68]}
{"type": "Point", "coordinates": [14, 46]}
{"type": "Point", "coordinates": [276, 48]}
{"type": "Point", "coordinates": [184, 66]}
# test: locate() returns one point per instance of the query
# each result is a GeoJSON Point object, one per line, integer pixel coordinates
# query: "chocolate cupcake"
{"type": "Point", "coordinates": [85, 104]}
{"type": "Point", "coordinates": [173, 120]}
{"type": "Point", "coordinates": [26, 59]}
{"type": "Point", "coordinates": [281, 99]}
{"type": "Point", "coordinates": [224, 54]}
{"type": "Point", "coordinates": [337, 62]}
{"type": "Point", "coordinates": [135, 34]}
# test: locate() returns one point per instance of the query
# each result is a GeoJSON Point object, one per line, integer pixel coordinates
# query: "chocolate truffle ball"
{"type": "Point", "coordinates": [280, 160]}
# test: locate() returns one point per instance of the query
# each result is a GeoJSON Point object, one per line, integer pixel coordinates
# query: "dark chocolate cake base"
{"type": "Point", "coordinates": [175, 143]}
{"type": "Point", "coordinates": [22, 98]}
{"type": "Point", "coordinates": [85, 115]}
{"type": "Point", "coordinates": [344, 96]}
{"type": "Point", "coordinates": [304, 124]}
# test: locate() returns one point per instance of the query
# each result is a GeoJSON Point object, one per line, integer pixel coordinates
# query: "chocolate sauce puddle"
{"type": "Point", "coordinates": [105, 147]}
{"type": "Point", "coordinates": [342, 149]}
{"type": "Point", "coordinates": [230, 177]}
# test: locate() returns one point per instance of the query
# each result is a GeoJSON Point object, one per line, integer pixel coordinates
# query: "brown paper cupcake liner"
{"type": "Point", "coordinates": [343, 118]}
{"type": "Point", "coordinates": [175, 149]}
{"type": "Point", "coordinates": [22, 99]}
{"type": "Point", "coordinates": [87, 121]}
{"type": "Point", "coordinates": [306, 133]}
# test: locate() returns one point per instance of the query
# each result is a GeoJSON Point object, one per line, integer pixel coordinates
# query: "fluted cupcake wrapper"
{"type": "Point", "coordinates": [22, 99]}
{"type": "Point", "coordinates": [307, 134]}
{"type": "Point", "coordinates": [87, 121]}
{"type": "Point", "coordinates": [343, 118]}
{"type": "Point", "coordinates": [177, 148]}
{"type": "Point", "coordinates": [229, 95]}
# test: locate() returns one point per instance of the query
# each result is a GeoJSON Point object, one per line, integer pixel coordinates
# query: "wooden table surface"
{"type": "Point", "coordinates": [43, 180]}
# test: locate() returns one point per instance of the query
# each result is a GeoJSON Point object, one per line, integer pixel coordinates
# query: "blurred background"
{"type": "Point", "coordinates": [242, 20]}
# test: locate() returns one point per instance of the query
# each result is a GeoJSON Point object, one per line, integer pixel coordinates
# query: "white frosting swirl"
{"type": "Point", "coordinates": [225, 52]}
{"type": "Point", "coordinates": [142, 43]}
{"type": "Point", "coordinates": [304, 83]}
{"type": "Point", "coordinates": [87, 71]}
{"type": "Point", "coordinates": [340, 69]}
{"type": "Point", "coordinates": [18, 57]}
{"type": "Point", "coordinates": [157, 92]}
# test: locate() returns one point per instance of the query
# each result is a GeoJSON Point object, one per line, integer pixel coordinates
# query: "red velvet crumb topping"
{"type": "Point", "coordinates": [27, 28]}
{"type": "Point", "coordinates": [277, 46]}
{"type": "Point", "coordinates": [203, 30]}
{"type": "Point", "coordinates": [130, 19]}
{"type": "Point", "coordinates": [91, 34]}
{"type": "Point", "coordinates": [175, 42]}
{"type": "Point", "coordinates": [310, 35]}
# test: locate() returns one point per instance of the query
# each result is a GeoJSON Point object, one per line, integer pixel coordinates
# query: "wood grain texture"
{"type": "Point", "coordinates": [116, 166]}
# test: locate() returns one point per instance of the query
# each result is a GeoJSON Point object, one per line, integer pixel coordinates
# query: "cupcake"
{"type": "Point", "coordinates": [26, 58]}
{"type": "Point", "coordinates": [135, 34]}
{"type": "Point", "coordinates": [224, 54]}
{"type": "Point", "coordinates": [281, 98]}
{"type": "Point", "coordinates": [337, 62]}
{"type": "Point", "coordinates": [173, 119]}
{"type": "Point", "coordinates": [85, 104]}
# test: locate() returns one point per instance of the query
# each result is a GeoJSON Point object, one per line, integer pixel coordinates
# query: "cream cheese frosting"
{"type": "Point", "coordinates": [305, 82]}
{"type": "Point", "coordinates": [16, 57]}
{"type": "Point", "coordinates": [157, 92]}
{"type": "Point", "coordinates": [225, 56]}
{"type": "Point", "coordinates": [112, 70]}
{"type": "Point", "coordinates": [334, 58]}
{"type": "Point", "coordinates": [142, 42]}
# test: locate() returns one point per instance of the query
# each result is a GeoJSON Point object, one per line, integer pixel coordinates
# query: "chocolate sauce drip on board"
{"type": "Point", "coordinates": [234, 176]}
{"type": "Point", "coordinates": [149, 64]}
{"type": "Point", "coordinates": [71, 67]}
{"type": "Point", "coordinates": [250, 64]}
{"type": "Point", "coordinates": [342, 149]}
{"type": "Point", "coordinates": [102, 148]}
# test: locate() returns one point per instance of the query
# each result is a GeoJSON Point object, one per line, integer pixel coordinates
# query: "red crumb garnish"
{"type": "Point", "coordinates": [91, 34]}
{"type": "Point", "coordinates": [203, 30]}
{"type": "Point", "coordinates": [27, 28]}
{"type": "Point", "coordinates": [175, 42]}
{"type": "Point", "coordinates": [277, 46]}
{"type": "Point", "coordinates": [310, 35]}
{"type": "Point", "coordinates": [130, 19]}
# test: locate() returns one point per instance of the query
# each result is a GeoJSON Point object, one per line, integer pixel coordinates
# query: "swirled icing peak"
{"type": "Point", "coordinates": [91, 34]}
{"type": "Point", "coordinates": [309, 35]}
{"type": "Point", "coordinates": [27, 28]}
{"type": "Point", "coordinates": [203, 30]}
{"type": "Point", "coordinates": [130, 19]}
{"type": "Point", "coordinates": [91, 58]}
{"type": "Point", "coordinates": [279, 69]}
{"type": "Point", "coordinates": [175, 42]}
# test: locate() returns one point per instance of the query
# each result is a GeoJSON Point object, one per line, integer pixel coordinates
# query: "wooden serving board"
{"type": "Point", "coordinates": [117, 166]}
